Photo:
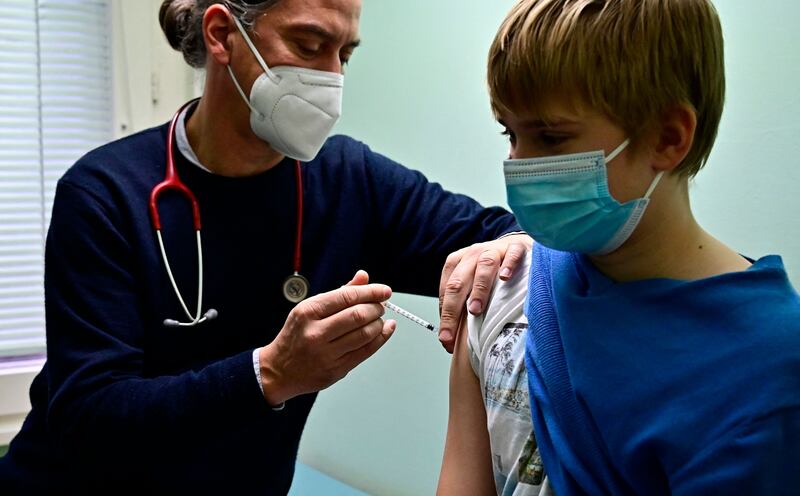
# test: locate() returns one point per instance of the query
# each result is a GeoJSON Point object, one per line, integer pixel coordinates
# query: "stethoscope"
{"type": "Point", "coordinates": [295, 287]}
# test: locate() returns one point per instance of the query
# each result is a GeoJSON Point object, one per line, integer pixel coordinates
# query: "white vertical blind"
{"type": "Point", "coordinates": [55, 94]}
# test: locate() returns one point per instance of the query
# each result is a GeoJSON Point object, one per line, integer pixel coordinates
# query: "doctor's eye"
{"type": "Point", "coordinates": [307, 51]}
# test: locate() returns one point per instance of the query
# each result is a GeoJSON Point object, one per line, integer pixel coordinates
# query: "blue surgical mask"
{"type": "Point", "coordinates": [563, 202]}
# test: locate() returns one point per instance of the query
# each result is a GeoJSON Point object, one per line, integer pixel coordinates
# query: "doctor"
{"type": "Point", "coordinates": [194, 271]}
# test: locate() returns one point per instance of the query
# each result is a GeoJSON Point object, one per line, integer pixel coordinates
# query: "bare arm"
{"type": "Point", "coordinates": [467, 464]}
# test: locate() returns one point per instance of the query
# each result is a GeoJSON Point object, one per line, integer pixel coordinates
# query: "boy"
{"type": "Point", "coordinates": [658, 360]}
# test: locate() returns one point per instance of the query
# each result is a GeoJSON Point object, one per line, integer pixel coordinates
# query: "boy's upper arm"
{"type": "Point", "coordinates": [467, 465]}
{"type": "Point", "coordinates": [761, 457]}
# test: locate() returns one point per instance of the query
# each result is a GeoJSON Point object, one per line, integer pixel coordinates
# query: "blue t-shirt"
{"type": "Point", "coordinates": [665, 386]}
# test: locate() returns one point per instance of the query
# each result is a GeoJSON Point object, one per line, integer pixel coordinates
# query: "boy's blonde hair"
{"type": "Point", "coordinates": [630, 59]}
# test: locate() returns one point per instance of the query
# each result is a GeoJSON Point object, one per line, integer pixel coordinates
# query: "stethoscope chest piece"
{"type": "Point", "coordinates": [295, 288]}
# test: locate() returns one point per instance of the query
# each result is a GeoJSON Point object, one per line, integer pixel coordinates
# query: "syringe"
{"type": "Point", "coordinates": [410, 316]}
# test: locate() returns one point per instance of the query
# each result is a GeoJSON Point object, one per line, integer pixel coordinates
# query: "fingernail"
{"type": "Point", "coordinates": [475, 307]}
{"type": "Point", "coordinates": [445, 336]}
{"type": "Point", "coordinates": [505, 273]}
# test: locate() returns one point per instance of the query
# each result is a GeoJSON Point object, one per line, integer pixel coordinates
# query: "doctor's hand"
{"type": "Point", "coordinates": [471, 272]}
{"type": "Point", "coordinates": [324, 338]}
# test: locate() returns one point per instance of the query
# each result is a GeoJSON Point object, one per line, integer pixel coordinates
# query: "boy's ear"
{"type": "Point", "coordinates": [675, 137]}
{"type": "Point", "coordinates": [218, 28]}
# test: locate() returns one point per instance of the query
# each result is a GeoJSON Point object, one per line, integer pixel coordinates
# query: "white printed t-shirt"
{"type": "Point", "coordinates": [496, 345]}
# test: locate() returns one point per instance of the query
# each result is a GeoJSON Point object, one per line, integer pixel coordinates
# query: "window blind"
{"type": "Point", "coordinates": [55, 105]}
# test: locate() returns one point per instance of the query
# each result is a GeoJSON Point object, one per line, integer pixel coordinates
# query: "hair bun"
{"type": "Point", "coordinates": [175, 17]}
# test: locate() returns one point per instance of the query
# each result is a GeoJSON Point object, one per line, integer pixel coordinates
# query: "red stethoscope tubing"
{"type": "Point", "coordinates": [172, 182]}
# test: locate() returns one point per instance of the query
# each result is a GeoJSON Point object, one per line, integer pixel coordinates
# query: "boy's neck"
{"type": "Point", "coordinates": [669, 243]}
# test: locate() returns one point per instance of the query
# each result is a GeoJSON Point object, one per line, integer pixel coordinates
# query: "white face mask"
{"type": "Point", "coordinates": [292, 108]}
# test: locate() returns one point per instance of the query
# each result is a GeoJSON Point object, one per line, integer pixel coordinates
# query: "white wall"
{"type": "Point", "coordinates": [150, 79]}
{"type": "Point", "coordinates": [150, 82]}
{"type": "Point", "coordinates": [415, 91]}
{"type": "Point", "coordinates": [749, 194]}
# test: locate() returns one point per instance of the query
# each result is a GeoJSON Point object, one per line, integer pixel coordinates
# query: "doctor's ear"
{"type": "Point", "coordinates": [219, 30]}
{"type": "Point", "coordinates": [673, 137]}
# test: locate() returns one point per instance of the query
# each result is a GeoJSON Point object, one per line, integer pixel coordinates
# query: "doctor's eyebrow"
{"type": "Point", "coordinates": [320, 31]}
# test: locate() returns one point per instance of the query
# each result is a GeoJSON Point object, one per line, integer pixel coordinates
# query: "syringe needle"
{"type": "Point", "coordinates": [410, 316]}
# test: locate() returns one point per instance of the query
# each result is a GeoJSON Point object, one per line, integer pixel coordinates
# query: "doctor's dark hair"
{"type": "Point", "coordinates": [182, 23]}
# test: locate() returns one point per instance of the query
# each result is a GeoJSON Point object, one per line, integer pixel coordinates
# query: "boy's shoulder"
{"type": "Point", "coordinates": [765, 297]}
{"type": "Point", "coordinates": [504, 314]}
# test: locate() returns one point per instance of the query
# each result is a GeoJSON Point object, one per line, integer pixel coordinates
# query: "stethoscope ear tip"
{"type": "Point", "coordinates": [171, 323]}
{"type": "Point", "coordinates": [211, 314]}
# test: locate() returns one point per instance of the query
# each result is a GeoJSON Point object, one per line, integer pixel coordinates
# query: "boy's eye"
{"type": "Point", "coordinates": [551, 139]}
{"type": "Point", "coordinates": [512, 138]}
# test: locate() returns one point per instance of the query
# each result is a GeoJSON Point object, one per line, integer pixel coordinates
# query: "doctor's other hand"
{"type": "Point", "coordinates": [471, 272]}
{"type": "Point", "coordinates": [324, 338]}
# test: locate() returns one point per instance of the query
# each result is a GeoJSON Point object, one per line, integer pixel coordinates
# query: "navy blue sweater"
{"type": "Point", "coordinates": [125, 403]}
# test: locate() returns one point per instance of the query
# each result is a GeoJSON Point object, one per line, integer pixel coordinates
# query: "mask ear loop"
{"type": "Point", "coordinates": [275, 79]}
{"type": "Point", "coordinates": [655, 182]}
{"type": "Point", "coordinates": [618, 150]}
{"type": "Point", "coordinates": [244, 97]}
{"type": "Point", "coordinates": [653, 185]}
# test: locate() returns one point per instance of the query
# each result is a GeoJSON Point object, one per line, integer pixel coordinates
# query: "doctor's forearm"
{"type": "Point", "coordinates": [139, 411]}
